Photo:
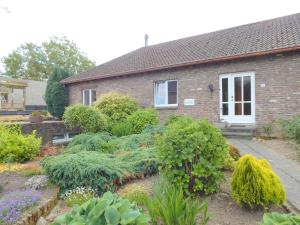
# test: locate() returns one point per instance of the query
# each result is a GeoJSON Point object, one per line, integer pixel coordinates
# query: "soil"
{"type": "Point", "coordinates": [285, 148]}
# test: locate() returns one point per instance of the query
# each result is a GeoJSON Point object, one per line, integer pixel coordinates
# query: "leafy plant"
{"type": "Point", "coordinates": [32, 172]}
{"type": "Point", "coordinates": [169, 206]}
{"type": "Point", "coordinates": [15, 147]}
{"type": "Point", "coordinates": [12, 204]}
{"type": "Point", "coordinates": [141, 118]}
{"type": "Point", "coordinates": [110, 210]}
{"type": "Point", "coordinates": [85, 117]}
{"type": "Point", "coordinates": [277, 218]}
{"type": "Point", "coordinates": [268, 129]}
{"type": "Point", "coordinates": [234, 152]}
{"type": "Point", "coordinates": [116, 106]}
{"type": "Point", "coordinates": [78, 196]}
{"type": "Point", "coordinates": [192, 155]}
{"type": "Point", "coordinates": [254, 184]}
{"type": "Point", "coordinates": [175, 118]}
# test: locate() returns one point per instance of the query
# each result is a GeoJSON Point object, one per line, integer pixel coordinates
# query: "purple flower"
{"type": "Point", "coordinates": [13, 203]}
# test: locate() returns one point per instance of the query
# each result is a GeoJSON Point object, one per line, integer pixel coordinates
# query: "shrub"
{"type": "Point", "coordinates": [169, 206]}
{"type": "Point", "coordinates": [90, 142]}
{"type": "Point", "coordinates": [141, 118]}
{"type": "Point", "coordinates": [12, 204]}
{"type": "Point", "coordinates": [85, 117]}
{"type": "Point", "coordinates": [234, 152]}
{"type": "Point", "coordinates": [116, 106]}
{"type": "Point", "coordinates": [135, 193]}
{"type": "Point", "coordinates": [56, 95]}
{"type": "Point", "coordinates": [291, 128]}
{"type": "Point", "coordinates": [15, 147]}
{"type": "Point", "coordinates": [277, 218]}
{"type": "Point", "coordinates": [78, 196]}
{"type": "Point", "coordinates": [98, 170]}
{"type": "Point", "coordinates": [120, 129]}
{"type": "Point", "coordinates": [254, 184]}
{"type": "Point", "coordinates": [192, 154]}
{"type": "Point", "coordinates": [175, 117]}
{"type": "Point", "coordinates": [32, 172]}
{"type": "Point", "coordinates": [110, 210]}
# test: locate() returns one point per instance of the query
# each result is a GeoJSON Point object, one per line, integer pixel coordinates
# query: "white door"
{"type": "Point", "coordinates": [237, 97]}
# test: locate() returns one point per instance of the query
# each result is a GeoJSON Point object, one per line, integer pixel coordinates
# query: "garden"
{"type": "Point", "coordinates": [127, 168]}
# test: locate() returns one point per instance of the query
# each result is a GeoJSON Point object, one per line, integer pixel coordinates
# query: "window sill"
{"type": "Point", "coordinates": [166, 107]}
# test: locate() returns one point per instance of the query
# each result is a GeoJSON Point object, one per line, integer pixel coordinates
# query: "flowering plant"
{"type": "Point", "coordinates": [12, 204]}
{"type": "Point", "coordinates": [79, 195]}
{"type": "Point", "coordinates": [10, 167]}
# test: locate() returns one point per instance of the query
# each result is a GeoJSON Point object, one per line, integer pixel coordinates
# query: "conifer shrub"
{"type": "Point", "coordinates": [116, 106]}
{"type": "Point", "coordinates": [192, 155]}
{"type": "Point", "coordinates": [254, 184]}
{"type": "Point", "coordinates": [87, 118]}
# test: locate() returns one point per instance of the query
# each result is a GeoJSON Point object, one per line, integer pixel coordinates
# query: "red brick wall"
{"type": "Point", "coordinates": [279, 98]}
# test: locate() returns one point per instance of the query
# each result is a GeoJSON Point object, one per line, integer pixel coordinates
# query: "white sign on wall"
{"type": "Point", "coordinates": [189, 101]}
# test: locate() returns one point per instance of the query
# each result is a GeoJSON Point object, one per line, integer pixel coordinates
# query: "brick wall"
{"type": "Point", "coordinates": [277, 81]}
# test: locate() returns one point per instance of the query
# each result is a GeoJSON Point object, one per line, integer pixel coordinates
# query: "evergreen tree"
{"type": "Point", "coordinates": [56, 93]}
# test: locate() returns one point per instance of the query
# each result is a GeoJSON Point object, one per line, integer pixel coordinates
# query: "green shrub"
{"type": "Point", "coordinates": [92, 142]}
{"type": "Point", "coordinates": [86, 118]}
{"type": "Point", "coordinates": [120, 129]}
{"type": "Point", "coordinates": [192, 154]}
{"type": "Point", "coordinates": [169, 206]}
{"type": "Point", "coordinates": [277, 218]}
{"type": "Point", "coordinates": [254, 184]}
{"type": "Point", "coordinates": [141, 118]}
{"type": "Point", "coordinates": [78, 196]}
{"type": "Point", "coordinates": [291, 128]}
{"type": "Point", "coordinates": [110, 210]}
{"type": "Point", "coordinates": [116, 106]}
{"type": "Point", "coordinates": [15, 147]}
{"type": "Point", "coordinates": [175, 117]}
{"type": "Point", "coordinates": [97, 170]}
{"type": "Point", "coordinates": [32, 172]}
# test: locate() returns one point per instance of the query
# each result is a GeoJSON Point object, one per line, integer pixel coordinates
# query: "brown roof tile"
{"type": "Point", "coordinates": [275, 35]}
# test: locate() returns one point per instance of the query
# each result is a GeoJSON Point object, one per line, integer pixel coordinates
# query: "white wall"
{"type": "Point", "coordinates": [35, 92]}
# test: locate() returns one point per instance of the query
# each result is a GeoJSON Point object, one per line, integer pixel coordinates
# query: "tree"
{"type": "Point", "coordinates": [56, 93]}
{"type": "Point", "coordinates": [36, 62]}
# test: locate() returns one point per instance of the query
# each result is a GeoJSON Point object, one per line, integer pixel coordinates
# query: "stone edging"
{"type": "Point", "coordinates": [43, 210]}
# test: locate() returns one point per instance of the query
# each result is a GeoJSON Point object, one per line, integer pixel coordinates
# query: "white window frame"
{"type": "Point", "coordinates": [166, 93]}
{"type": "Point", "coordinates": [90, 91]}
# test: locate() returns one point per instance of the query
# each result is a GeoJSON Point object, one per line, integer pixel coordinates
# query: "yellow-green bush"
{"type": "Point", "coordinates": [254, 184]}
{"type": "Point", "coordinates": [16, 147]}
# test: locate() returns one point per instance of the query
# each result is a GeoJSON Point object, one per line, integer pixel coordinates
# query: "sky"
{"type": "Point", "coordinates": [106, 29]}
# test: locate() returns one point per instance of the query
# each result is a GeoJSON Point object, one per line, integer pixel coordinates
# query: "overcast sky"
{"type": "Point", "coordinates": [105, 29]}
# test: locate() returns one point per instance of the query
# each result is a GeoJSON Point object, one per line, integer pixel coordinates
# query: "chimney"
{"type": "Point", "coordinates": [146, 39]}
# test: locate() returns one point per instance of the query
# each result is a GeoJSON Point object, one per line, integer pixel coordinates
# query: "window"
{"type": "Point", "coordinates": [165, 93]}
{"type": "Point", "coordinates": [88, 96]}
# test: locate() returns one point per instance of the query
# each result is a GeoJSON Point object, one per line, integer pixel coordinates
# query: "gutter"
{"type": "Point", "coordinates": [192, 63]}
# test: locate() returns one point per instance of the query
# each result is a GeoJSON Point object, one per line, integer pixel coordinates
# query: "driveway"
{"type": "Point", "coordinates": [287, 170]}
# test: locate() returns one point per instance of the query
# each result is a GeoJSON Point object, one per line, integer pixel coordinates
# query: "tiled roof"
{"type": "Point", "coordinates": [270, 36]}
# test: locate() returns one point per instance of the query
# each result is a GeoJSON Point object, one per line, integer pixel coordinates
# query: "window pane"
{"type": "Point", "coordinates": [225, 109]}
{"type": "Point", "coordinates": [225, 90]}
{"type": "Point", "coordinates": [238, 89]}
{"type": "Point", "coordinates": [160, 93]}
{"type": "Point", "coordinates": [86, 97]}
{"type": "Point", "coordinates": [247, 108]}
{"type": "Point", "coordinates": [247, 88]}
{"type": "Point", "coordinates": [238, 108]}
{"type": "Point", "coordinates": [94, 97]}
{"type": "Point", "coordinates": [172, 92]}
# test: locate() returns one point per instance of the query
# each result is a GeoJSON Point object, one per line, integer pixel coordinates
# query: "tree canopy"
{"type": "Point", "coordinates": [36, 62]}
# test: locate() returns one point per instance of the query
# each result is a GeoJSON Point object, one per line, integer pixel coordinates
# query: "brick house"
{"type": "Point", "coordinates": [248, 74]}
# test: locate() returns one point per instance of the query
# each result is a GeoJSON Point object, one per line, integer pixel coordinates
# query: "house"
{"type": "Point", "coordinates": [248, 74]}
{"type": "Point", "coordinates": [21, 95]}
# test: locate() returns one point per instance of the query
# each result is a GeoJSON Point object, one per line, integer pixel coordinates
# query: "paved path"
{"type": "Point", "coordinates": [287, 170]}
